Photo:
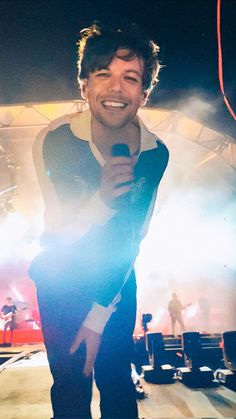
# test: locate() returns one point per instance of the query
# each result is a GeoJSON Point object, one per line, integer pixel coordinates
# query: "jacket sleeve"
{"type": "Point", "coordinates": [67, 218]}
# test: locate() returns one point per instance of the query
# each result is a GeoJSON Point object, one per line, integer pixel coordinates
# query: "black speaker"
{"type": "Point", "coordinates": [159, 372]}
{"type": "Point", "coordinates": [192, 347]}
{"type": "Point", "coordinates": [229, 350]}
{"type": "Point", "coordinates": [156, 349]}
{"type": "Point", "coordinates": [195, 374]}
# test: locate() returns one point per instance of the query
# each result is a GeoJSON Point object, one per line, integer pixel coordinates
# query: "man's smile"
{"type": "Point", "coordinates": [113, 105]}
{"type": "Point", "coordinates": [115, 93]}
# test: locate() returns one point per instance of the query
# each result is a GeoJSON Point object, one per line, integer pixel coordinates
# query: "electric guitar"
{"type": "Point", "coordinates": [9, 316]}
{"type": "Point", "coordinates": [187, 305]}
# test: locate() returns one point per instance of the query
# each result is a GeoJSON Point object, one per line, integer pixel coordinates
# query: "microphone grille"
{"type": "Point", "coordinates": [120, 150]}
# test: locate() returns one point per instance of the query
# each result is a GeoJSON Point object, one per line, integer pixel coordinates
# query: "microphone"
{"type": "Point", "coordinates": [121, 150]}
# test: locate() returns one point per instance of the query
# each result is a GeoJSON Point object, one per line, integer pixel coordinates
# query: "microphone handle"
{"type": "Point", "coordinates": [121, 150]}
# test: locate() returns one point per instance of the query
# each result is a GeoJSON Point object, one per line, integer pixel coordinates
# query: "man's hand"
{"type": "Point", "coordinates": [116, 180]}
{"type": "Point", "coordinates": [92, 342]}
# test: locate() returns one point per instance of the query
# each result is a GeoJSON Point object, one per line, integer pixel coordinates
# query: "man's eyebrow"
{"type": "Point", "coordinates": [139, 73]}
{"type": "Point", "coordinates": [101, 68]}
{"type": "Point", "coordinates": [128, 70]}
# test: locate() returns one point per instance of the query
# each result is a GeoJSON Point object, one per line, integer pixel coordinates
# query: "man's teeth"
{"type": "Point", "coordinates": [114, 104]}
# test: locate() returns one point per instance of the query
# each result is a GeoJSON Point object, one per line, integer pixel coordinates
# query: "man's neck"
{"type": "Point", "coordinates": [105, 137]}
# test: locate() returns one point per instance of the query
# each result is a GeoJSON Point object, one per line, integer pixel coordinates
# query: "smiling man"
{"type": "Point", "coordinates": [99, 172]}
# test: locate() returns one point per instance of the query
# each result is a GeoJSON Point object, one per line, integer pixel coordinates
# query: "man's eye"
{"type": "Point", "coordinates": [102, 74]}
{"type": "Point", "coordinates": [132, 79]}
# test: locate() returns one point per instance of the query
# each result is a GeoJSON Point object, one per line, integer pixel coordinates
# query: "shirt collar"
{"type": "Point", "coordinates": [148, 138]}
{"type": "Point", "coordinates": [81, 127]}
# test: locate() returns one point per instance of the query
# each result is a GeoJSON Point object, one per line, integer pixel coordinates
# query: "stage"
{"type": "Point", "coordinates": [25, 392]}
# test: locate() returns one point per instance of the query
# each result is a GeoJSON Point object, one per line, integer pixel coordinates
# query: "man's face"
{"type": "Point", "coordinates": [115, 93]}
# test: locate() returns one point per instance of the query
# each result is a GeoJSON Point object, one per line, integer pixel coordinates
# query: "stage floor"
{"type": "Point", "coordinates": [25, 386]}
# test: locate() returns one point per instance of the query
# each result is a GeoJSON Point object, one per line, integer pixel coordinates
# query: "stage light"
{"type": "Point", "coordinates": [158, 315]}
{"type": "Point", "coordinates": [14, 227]}
{"type": "Point", "coordinates": [12, 233]}
{"type": "Point", "coordinates": [184, 238]}
{"type": "Point", "coordinates": [191, 311]}
{"type": "Point", "coordinates": [17, 293]}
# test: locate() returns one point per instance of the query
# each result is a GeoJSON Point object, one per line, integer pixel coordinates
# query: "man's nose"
{"type": "Point", "coordinates": [115, 84]}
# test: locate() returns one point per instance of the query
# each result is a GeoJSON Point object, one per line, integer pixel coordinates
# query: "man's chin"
{"type": "Point", "coordinates": [114, 123]}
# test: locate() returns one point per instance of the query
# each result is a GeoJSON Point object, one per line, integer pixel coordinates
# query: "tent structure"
{"type": "Point", "coordinates": [190, 244]}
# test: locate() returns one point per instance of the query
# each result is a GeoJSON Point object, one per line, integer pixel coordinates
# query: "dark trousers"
{"type": "Point", "coordinates": [62, 314]}
{"type": "Point", "coordinates": [10, 324]}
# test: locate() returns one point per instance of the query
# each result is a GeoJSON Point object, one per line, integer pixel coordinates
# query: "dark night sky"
{"type": "Point", "coordinates": [38, 52]}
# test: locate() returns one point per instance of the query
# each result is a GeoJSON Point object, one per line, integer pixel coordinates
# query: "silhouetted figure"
{"type": "Point", "coordinates": [8, 312]}
{"type": "Point", "coordinates": [175, 308]}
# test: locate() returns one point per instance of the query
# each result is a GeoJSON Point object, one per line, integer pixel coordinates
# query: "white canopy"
{"type": "Point", "coordinates": [192, 145]}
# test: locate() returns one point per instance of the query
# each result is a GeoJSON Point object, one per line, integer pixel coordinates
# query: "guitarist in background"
{"type": "Point", "coordinates": [8, 312]}
{"type": "Point", "coordinates": [175, 309]}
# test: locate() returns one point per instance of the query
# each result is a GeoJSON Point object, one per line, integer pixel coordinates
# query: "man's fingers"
{"type": "Point", "coordinates": [76, 343]}
{"type": "Point", "coordinates": [88, 367]}
{"type": "Point", "coordinates": [121, 191]}
{"type": "Point", "coordinates": [92, 341]}
{"type": "Point", "coordinates": [89, 363]}
{"type": "Point", "coordinates": [92, 349]}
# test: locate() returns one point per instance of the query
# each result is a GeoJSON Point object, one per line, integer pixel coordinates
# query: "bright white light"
{"type": "Point", "coordinates": [191, 311]}
{"type": "Point", "coordinates": [156, 317]}
{"type": "Point", "coordinates": [30, 250]}
{"type": "Point", "coordinates": [14, 243]}
{"type": "Point", "coordinates": [17, 293]}
{"type": "Point", "coordinates": [14, 227]}
{"type": "Point", "coordinates": [181, 239]}
{"type": "Point", "coordinates": [11, 232]}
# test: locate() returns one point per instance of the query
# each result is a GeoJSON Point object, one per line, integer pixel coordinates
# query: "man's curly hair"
{"type": "Point", "coordinates": [97, 47]}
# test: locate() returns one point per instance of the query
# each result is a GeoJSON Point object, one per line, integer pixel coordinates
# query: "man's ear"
{"type": "Point", "coordinates": [144, 99]}
{"type": "Point", "coordinates": [83, 88]}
